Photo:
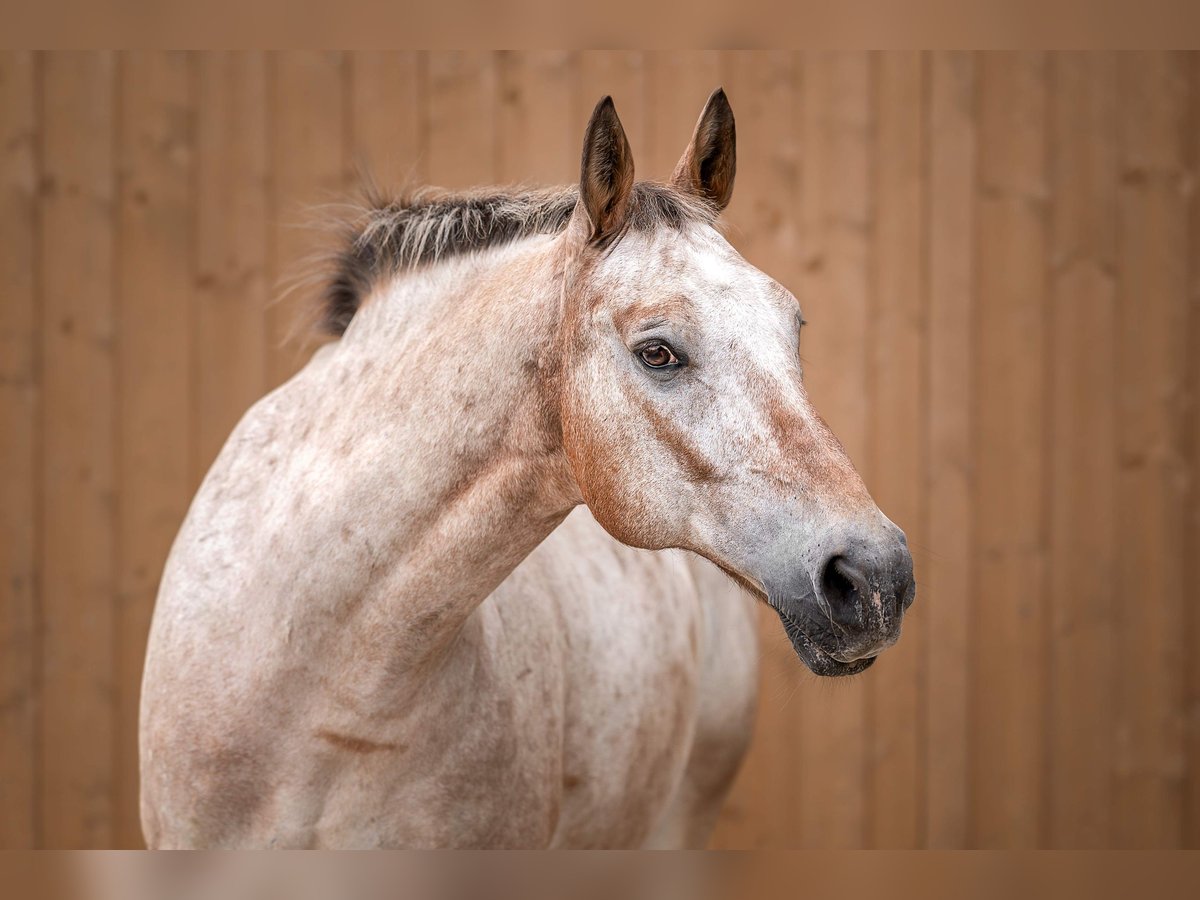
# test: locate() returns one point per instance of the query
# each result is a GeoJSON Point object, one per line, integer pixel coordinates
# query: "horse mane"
{"type": "Point", "coordinates": [385, 237]}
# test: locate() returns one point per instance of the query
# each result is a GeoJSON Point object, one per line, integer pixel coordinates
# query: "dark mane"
{"type": "Point", "coordinates": [389, 236]}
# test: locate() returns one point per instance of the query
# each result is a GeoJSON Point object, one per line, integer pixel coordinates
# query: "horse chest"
{"type": "Point", "coordinates": [575, 734]}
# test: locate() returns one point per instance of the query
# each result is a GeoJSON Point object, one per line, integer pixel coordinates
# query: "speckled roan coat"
{"type": "Point", "coordinates": [382, 625]}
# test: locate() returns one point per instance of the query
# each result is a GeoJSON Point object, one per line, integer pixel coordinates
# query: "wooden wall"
{"type": "Point", "coordinates": [995, 255]}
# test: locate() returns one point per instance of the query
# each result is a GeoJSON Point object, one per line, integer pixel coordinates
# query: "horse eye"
{"type": "Point", "coordinates": [658, 356]}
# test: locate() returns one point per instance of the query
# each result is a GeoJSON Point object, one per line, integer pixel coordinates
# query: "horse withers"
{"type": "Point", "coordinates": [381, 625]}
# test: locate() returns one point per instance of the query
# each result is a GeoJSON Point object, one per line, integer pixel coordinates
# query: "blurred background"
{"type": "Point", "coordinates": [995, 253]}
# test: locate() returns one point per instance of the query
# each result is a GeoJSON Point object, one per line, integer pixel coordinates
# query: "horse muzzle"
{"type": "Point", "coordinates": [848, 609]}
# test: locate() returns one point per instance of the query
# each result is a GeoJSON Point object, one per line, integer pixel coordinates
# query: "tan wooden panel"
{"type": "Point", "coordinates": [1008, 739]}
{"type": "Point", "coordinates": [763, 222]}
{"type": "Point", "coordinates": [20, 449]}
{"type": "Point", "coordinates": [945, 592]}
{"type": "Point", "coordinates": [462, 119]}
{"type": "Point", "coordinates": [232, 210]}
{"type": "Point", "coordinates": [1151, 359]}
{"type": "Point", "coordinates": [1045, 689]}
{"type": "Point", "coordinates": [77, 523]}
{"type": "Point", "coordinates": [836, 207]}
{"type": "Point", "coordinates": [894, 765]}
{"type": "Point", "coordinates": [155, 434]}
{"type": "Point", "coordinates": [1191, 599]}
{"type": "Point", "coordinates": [539, 140]}
{"type": "Point", "coordinates": [309, 163]}
{"type": "Point", "coordinates": [677, 84]}
{"type": "Point", "coordinates": [620, 74]}
{"type": "Point", "coordinates": [1083, 449]}
{"type": "Point", "coordinates": [386, 104]}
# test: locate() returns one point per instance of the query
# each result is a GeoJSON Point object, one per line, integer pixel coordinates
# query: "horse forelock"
{"type": "Point", "coordinates": [386, 237]}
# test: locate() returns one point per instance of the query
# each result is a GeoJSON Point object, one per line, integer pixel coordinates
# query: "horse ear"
{"type": "Point", "coordinates": [709, 163]}
{"type": "Point", "coordinates": [606, 172]}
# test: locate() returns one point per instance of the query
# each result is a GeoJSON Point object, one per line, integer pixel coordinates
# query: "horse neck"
{"type": "Point", "coordinates": [456, 445]}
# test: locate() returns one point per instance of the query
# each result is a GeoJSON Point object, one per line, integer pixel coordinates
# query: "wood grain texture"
{"type": "Point", "coordinates": [1008, 706]}
{"type": "Point", "coordinates": [539, 141]}
{"type": "Point", "coordinates": [997, 256]}
{"type": "Point", "coordinates": [1191, 599]}
{"type": "Point", "coordinates": [1152, 318]}
{"type": "Point", "coordinates": [79, 332]}
{"type": "Point", "coordinates": [232, 199]}
{"type": "Point", "coordinates": [895, 771]}
{"type": "Point", "coordinates": [154, 391]}
{"type": "Point", "coordinates": [386, 109]}
{"type": "Point", "coordinates": [945, 593]}
{"type": "Point", "coordinates": [462, 119]}
{"type": "Point", "coordinates": [1083, 448]}
{"type": "Point", "coordinates": [20, 448]}
{"type": "Point", "coordinates": [309, 142]}
{"type": "Point", "coordinates": [620, 74]}
{"type": "Point", "coordinates": [678, 83]}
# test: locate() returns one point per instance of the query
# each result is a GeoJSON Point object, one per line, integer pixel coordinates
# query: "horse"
{"type": "Point", "coordinates": [395, 614]}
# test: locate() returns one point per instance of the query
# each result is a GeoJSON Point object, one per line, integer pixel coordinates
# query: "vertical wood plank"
{"type": "Point", "coordinates": [537, 141]}
{"type": "Point", "coordinates": [1152, 299]}
{"type": "Point", "coordinates": [1088, 738]}
{"type": "Point", "coordinates": [232, 214]}
{"type": "Point", "coordinates": [1010, 680]}
{"type": "Point", "coordinates": [894, 765]}
{"type": "Point", "coordinates": [836, 217]}
{"type": "Point", "coordinates": [462, 135]}
{"type": "Point", "coordinates": [385, 115]}
{"type": "Point", "coordinates": [945, 592]}
{"type": "Point", "coordinates": [1083, 448]}
{"type": "Point", "coordinates": [1191, 836]}
{"type": "Point", "coordinates": [309, 142]}
{"type": "Point", "coordinates": [19, 448]}
{"type": "Point", "coordinates": [78, 470]}
{"type": "Point", "coordinates": [620, 74]}
{"type": "Point", "coordinates": [677, 84]}
{"type": "Point", "coordinates": [155, 431]}
{"type": "Point", "coordinates": [763, 224]}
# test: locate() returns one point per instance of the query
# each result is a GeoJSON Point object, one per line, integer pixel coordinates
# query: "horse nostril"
{"type": "Point", "coordinates": [841, 586]}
